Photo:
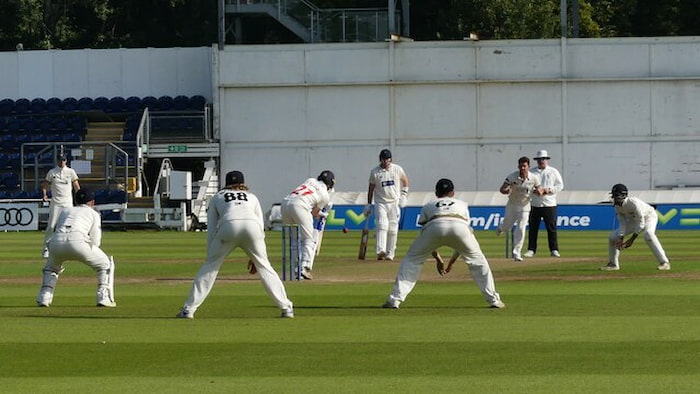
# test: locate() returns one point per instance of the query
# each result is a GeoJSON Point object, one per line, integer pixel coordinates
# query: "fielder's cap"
{"type": "Point", "coordinates": [385, 154]}
{"type": "Point", "coordinates": [542, 154]}
{"type": "Point", "coordinates": [234, 177]}
{"type": "Point", "coordinates": [61, 158]}
{"type": "Point", "coordinates": [83, 196]}
{"type": "Point", "coordinates": [443, 187]}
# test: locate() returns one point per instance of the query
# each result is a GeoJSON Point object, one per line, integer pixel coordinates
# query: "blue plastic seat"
{"type": "Point", "coordinates": [116, 104]}
{"type": "Point", "coordinates": [133, 104]}
{"type": "Point", "coordinates": [197, 103]}
{"type": "Point", "coordinates": [181, 103]}
{"type": "Point", "coordinates": [29, 125]}
{"type": "Point", "coordinates": [116, 197]}
{"type": "Point", "coordinates": [54, 104]}
{"type": "Point", "coordinates": [85, 104]}
{"type": "Point", "coordinates": [11, 181]}
{"type": "Point", "coordinates": [165, 103]}
{"type": "Point", "coordinates": [150, 102]}
{"type": "Point", "coordinates": [7, 106]}
{"type": "Point", "coordinates": [14, 160]}
{"type": "Point", "coordinates": [72, 137]}
{"type": "Point", "coordinates": [37, 106]}
{"type": "Point", "coordinates": [22, 106]}
{"type": "Point", "coordinates": [69, 104]}
{"type": "Point", "coordinates": [101, 196]}
{"type": "Point", "coordinates": [101, 104]}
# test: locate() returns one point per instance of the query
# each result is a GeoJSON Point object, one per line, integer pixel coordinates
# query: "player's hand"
{"type": "Point", "coordinates": [367, 211]}
{"type": "Point", "coordinates": [323, 214]}
{"type": "Point", "coordinates": [620, 243]}
{"type": "Point", "coordinates": [439, 264]}
{"type": "Point", "coordinates": [403, 201]}
{"type": "Point", "coordinates": [251, 268]}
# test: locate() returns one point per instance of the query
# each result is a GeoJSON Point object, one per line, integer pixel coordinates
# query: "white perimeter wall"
{"type": "Point", "coordinates": [607, 110]}
{"type": "Point", "coordinates": [106, 72]}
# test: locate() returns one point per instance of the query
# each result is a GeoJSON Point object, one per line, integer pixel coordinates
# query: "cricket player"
{"type": "Point", "coordinates": [519, 187]}
{"type": "Point", "coordinates": [62, 181]}
{"type": "Point", "coordinates": [306, 202]}
{"type": "Point", "coordinates": [388, 190]}
{"type": "Point", "coordinates": [235, 220]}
{"type": "Point", "coordinates": [634, 217]}
{"type": "Point", "coordinates": [77, 236]}
{"type": "Point", "coordinates": [445, 222]}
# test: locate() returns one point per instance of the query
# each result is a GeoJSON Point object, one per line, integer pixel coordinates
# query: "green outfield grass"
{"type": "Point", "coordinates": [567, 328]}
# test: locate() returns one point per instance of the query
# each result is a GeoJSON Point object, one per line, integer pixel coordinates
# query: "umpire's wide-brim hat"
{"type": "Point", "coordinates": [542, 154]}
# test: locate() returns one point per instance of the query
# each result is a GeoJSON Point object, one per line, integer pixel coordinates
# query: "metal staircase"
{"type": "Point", "coordinates": [315, 25]}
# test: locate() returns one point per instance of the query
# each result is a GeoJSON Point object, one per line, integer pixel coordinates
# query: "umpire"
{"type": "Point", "coordinates": [544, 206]}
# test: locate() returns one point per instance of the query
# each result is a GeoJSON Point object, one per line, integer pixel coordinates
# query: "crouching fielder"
{"type": "Point", "coordinates": [235, 220]}
{"type": "Point", "coordinates": [445, 222]}
{"type": "Point", "coordinates": [635, 217]}
{"type": "Point", "coordinates": [77, 236]}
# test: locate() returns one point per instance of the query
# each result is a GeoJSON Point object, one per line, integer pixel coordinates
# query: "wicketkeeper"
{"type": "Point", "coordinates": [77, 236]}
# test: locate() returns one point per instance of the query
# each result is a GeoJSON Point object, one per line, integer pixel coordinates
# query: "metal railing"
{"type": "Point", "coordinates": [325, 24]}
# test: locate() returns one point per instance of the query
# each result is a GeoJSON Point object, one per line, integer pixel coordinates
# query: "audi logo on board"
{"type": "Point", "coordinates": [16, 217]}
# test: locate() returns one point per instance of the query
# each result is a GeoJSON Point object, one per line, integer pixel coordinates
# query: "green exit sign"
{"type": "Point", "coordinates": [177, 148]}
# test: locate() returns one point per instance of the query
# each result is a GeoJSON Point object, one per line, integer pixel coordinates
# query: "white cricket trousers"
{"type": "Point", "coordinates": [74, 246]}
{"type": "Point", "coordinates": [518, 215]}
{"type": "Point", "coordinates": [295, 212]}
{"type": "Point", "coordinates": [456, 234]}
{"type": "Point", "coordinates": [54, 212]}
{"type": "Point", "coordinates": [650, 238]}
{"type": "Point", "coordinates": [387, 217]}
{"type": "Point", "coordinates": [249, 236]}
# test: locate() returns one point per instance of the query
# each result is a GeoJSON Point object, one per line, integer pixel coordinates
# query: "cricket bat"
{"type": "Point", "coordinates": [320, 227]}
{"type": "Point", "coordinates": [363, 241]}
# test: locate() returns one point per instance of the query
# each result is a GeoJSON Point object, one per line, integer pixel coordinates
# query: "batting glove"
{"type": "Point", "coordinates": [368, 210]}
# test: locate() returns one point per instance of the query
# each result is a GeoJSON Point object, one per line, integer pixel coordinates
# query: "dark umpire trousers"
{"type": "Point", "coordinates": [549, 214]}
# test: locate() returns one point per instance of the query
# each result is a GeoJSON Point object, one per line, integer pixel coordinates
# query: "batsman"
{"type": "Point", "coordinates": [388, 189]}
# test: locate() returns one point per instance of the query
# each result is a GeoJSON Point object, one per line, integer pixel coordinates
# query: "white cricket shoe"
{"type": "Point", "coordinates": [664, 267]}
{"type": "Point", "coordinates": [44, 299]}
{"type": "Point", "coordinates": [610, 267]}
{"type": "Point", "coordinates": [104, 299]}
{"type": "Point", "coordinates": [517, 257]}
{"type": "Point", "coordinates": [287, 313]}
{"type": "Point", "coordinates": [184, 314]}
{"type": "Point", "coordinates": [498, 304]}
{"type": "Point", "coordinates": [381, 255]}
{"type": "Point", "coordinates": [306, 273]}
{"type": "Point", "coordinates": [391, 304]}
{"type": "Point", "coordinates": [529, 253]}
{"type": "Point", "coordinates": [555, 253]}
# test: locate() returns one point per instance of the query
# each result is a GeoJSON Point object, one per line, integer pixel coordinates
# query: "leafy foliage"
{"type": "Point", "coordinates": [67, 24]}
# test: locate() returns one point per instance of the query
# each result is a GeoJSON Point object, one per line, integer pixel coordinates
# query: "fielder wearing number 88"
{"type": "Point", "coordinates": [235, 220]}
{"type": "Point", "coordinates": [445, 222]}
{"type": "Point", "coordinates": [15, 217]}
{"type": "Point", "coordinates": [77, 236]}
